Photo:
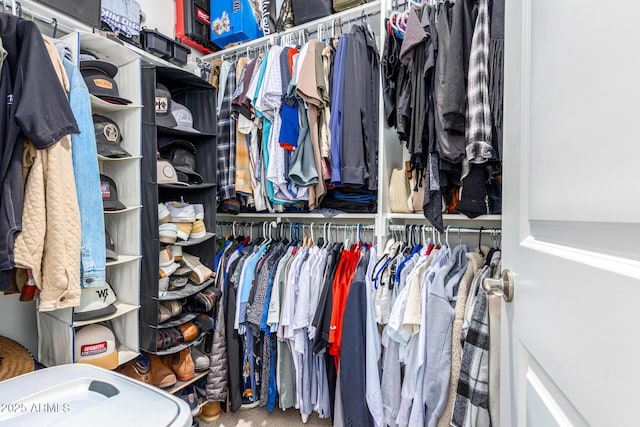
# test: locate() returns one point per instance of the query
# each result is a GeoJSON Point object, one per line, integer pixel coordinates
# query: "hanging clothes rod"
{"type": "Point", "coordinates": [18, 10]}
{"type": "Point", "coordinates": [305, 224]}
{"type": "Point", "coordinates": [351, 15]}
{"type": "Point", "coordinates": [482, 230]}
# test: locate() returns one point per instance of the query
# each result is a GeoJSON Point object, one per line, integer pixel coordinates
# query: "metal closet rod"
{"type": "Point", "coordinates": [306, 224]}
{"type": "Point", "coordinates": [351, 15]}
{"type": "Point", "coordinates": [483, 230]}
{"type": "Point", "coordinates": [18, 10]}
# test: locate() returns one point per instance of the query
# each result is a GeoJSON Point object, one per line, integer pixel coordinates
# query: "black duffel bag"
{"type": "Point", "coordinates": [308, 10]}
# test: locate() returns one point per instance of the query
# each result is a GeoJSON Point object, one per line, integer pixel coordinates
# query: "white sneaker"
{"type": "Point", "coordinates": [166, 257]}
{"type": "Point", "coordinates": [163, 214]}
{"type": "Point", "coordinates": [168, 233]}
{"type": "Point", "coordinates": [199, 209]}
{"type": "Point", "coordinates": [180, 212]}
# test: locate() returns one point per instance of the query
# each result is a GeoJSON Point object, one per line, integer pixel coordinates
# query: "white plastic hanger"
{"type": "Point", "coordinates": [446, 236]}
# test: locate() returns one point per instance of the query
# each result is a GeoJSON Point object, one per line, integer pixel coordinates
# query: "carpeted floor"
{"type": "Point", "coordinates": [260, 417]}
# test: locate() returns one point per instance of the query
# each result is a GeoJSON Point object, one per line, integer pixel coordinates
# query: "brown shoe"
{"type": "Point", "coordinates": [211, 411]}
{"type": "Point", "coordinates": [138, 369]}
{"type": "Point", "coordinates": [189, 331]}
{"type": "Point", "coordinates": [182, 364]}
{"type": "Point", "coordinates": [161, 376]}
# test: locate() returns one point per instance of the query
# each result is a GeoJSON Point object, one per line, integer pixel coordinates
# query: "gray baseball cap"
{"type": "Point", "coordinates": [183, 118]}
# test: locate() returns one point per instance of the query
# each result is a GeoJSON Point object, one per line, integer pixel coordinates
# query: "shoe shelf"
{"type": "Point", "coordinates": [123, 259]}
{"type": "Point", "coordinates": [187, 291]}
{"type": "Point", "coordinates": [182, 384]}
{"type": "Point", "coordinates": [177, 321]}
{"type": "Point", "coordinates": [197, 241]}
{"type": "Point", "coordinates": [179, 347]}
{"type": "Point", "coordinates": [200, 98]}
{"type": "Point", "coordinates": [122, 308]}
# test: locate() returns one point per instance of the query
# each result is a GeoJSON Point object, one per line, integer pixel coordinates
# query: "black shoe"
{"type": "Point", "coordinates": [204, 323]}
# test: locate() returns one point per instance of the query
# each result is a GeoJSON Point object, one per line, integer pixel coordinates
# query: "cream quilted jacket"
{"type": "Point", "coordinates": [49, 243]}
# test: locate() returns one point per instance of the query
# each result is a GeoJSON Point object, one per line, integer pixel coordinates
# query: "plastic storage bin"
{"type": "Point", "coordinates": [234, 21]}
{"type": "Point", "coordinates": [85, 395]}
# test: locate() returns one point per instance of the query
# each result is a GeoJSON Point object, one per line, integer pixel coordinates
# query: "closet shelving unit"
{"type": "Point", "coordinates": [199, 97]}
{"type": "Point", "coordinates": [56, 339]}
{"type": "Point", "coordinates": [391, 153]}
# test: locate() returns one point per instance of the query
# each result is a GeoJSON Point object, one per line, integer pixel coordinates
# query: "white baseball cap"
{"type": "Point", "coordinates": [167, 173]}
{"type": "Point", "coordinates": [95, 302]}
{"type": "Point", "coordinates": [96, 345]}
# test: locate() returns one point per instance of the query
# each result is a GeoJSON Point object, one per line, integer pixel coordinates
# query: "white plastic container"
{"type": "Point", "coordinates": [84, 395]}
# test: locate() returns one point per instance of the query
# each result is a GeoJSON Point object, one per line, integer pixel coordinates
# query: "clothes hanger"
{"type": "Point", "coordinates": [346, 239]}
{"type": "Point", "coordinates": [312, 238]}
{"type": "Point", "coordinates": [446, 238]}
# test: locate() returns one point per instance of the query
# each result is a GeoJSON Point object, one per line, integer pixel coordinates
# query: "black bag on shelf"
{"type": "Point", "coordinates": [308, 10]}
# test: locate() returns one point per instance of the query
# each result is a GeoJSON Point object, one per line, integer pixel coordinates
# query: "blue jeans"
{"type": "Point", "coordinates": [87, 175]}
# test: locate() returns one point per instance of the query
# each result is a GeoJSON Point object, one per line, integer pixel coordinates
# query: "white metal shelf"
{"type": "Point", "coordinates": [445, 217]}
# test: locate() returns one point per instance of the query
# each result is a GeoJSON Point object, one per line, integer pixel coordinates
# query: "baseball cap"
{"type": "Point", "coordinates": [108, 137]}
{"type": "Point", "coordinates": [110, 246]}
{"type": "Point", "coordinates": [167, 143]}
{"type": "Point", "coordinates": [183, 118]}
{"type": "Point", "coordinates": [96, 345]}
{"type": "Point", "coordinates": [109, 192]}
{"type": "Point", "coordinates": [103, 86]}
{"type": "Point", "coordinates": [163, 108]}
{"type": "Point", "coordinates": [184, 161]}
{"type": "Point", "coordinates": [95, 302]}
{"type": "Point", "coordinates": [167, 174]}
{"type": "Point", "coordinates": [89, 61]}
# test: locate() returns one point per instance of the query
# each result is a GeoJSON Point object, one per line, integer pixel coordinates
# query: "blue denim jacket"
{"type": "Point", "coordinates": [87, 175]}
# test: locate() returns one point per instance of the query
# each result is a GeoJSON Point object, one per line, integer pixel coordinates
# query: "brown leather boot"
{"type": "Point", "coordinates": [161, 376]}
{"type": "Point", "coordinates": [211, 411]}
{"type": "Point", "coordinates": [138, 369]}
{"type": "Point", "coordinates": [182, 364]}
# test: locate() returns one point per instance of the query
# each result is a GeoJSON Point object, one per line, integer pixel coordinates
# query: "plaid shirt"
{"type": "Point", "coordinates": [471, 407]}
{"type": "Point", "coordinates": [478, 123]}
{"type": "Point", "coordinates": [472, 401]}
{"type": "Point", "coordinates": [226, 141]}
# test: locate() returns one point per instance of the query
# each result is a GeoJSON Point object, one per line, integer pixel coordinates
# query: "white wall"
{"type": "Point", "coordinates": [161, 14]}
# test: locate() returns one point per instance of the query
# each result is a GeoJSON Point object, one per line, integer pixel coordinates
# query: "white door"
{"type": "Point", "coordinates": [571, 226]}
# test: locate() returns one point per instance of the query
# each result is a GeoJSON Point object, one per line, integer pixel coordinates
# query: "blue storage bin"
{"type": "Point", "coordinates": [234, 21]}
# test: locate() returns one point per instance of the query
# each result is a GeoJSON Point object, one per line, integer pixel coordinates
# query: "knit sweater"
{"type": "Point", "coordinates": [475, 261]}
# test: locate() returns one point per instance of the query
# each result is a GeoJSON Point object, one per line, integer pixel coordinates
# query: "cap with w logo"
{"type": "Point", "coordinates": [96, 302]}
